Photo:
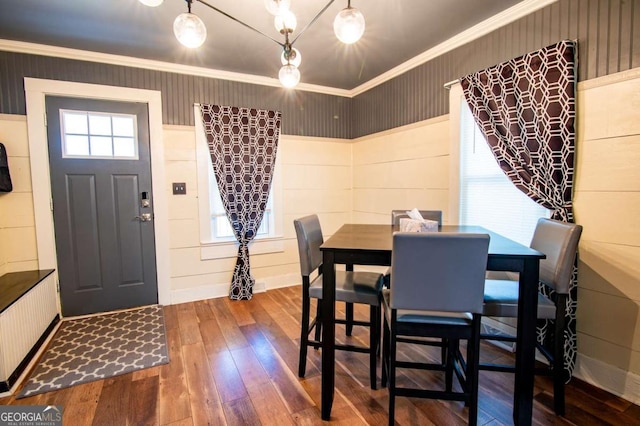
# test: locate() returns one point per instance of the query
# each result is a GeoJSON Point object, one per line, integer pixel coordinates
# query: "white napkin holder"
{"type": "Point", "coordinates": [420, 225]}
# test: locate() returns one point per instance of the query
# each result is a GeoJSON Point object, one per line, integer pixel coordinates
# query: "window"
{"type": "Point", "coordinates": [487, 196]}
{"type": "Point", "coordinates": [216, 235]}
{"type": "Point", "coordinates": [220, 226]}
{"type": "Point", "coordinates": [98, 135]}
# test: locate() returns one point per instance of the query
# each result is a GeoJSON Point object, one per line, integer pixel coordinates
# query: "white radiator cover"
{"type": "Point", "coordinates": [24, 322]}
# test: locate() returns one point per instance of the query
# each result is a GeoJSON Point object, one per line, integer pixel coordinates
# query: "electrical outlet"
{"type": "Point", "coordinates": [179, 188]}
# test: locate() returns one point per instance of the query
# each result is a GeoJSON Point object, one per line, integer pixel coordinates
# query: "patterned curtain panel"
{"type": "Point", "coordinates": [243, 143]}
{"type": "Point", "coordinates": [526, 109]}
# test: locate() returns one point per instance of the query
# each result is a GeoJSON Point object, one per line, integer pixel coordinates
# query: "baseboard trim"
{"type": "Point", "coordinates": [222, 290]}
{"type": "Point", "coordinates": [614, 380]}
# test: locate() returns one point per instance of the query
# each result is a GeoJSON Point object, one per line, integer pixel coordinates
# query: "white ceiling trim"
{"type": "Point", "coordinates": [485, 27]}
{"type": "Point", "coordinates": [518, 11]}
{"type": "Point", "coordinates": [128, 61]}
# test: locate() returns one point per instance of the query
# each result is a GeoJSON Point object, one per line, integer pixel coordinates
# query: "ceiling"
{"type": "Point", "coordinates": [396, 31]}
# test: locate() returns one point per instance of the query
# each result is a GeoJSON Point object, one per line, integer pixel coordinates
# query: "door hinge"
{"type": "Point", "coordinates": [58, 286]}
{"type": "Point", "coordinates": [45, 119]}
{"type": "Point", "coordinates": [51, 203]}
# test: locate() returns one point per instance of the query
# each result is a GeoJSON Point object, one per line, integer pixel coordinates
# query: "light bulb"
{"type": "Point", "coordinates": [295, 58]}
{"type": "Point", "coordinates": [285, 21]}
{"type": "Point", "coordinates": [189, 30]}
{"type": "Point", "coordinates": [277, 7]}
{"type": "Point", "coordinates": [349, 25]}
{"type": "Point", "coordinates": [289, 76]}
{"type": "Point", "coordinates": [151, 3]}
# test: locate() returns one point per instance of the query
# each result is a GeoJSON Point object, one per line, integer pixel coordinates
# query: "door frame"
{"type": "Point", "coordinates": [35, 92]}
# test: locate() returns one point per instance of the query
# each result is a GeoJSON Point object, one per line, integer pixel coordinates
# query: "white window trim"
{"type": "Point", "coordinates": [455, 96]}
{"type": "Point", "coordinates": [273, 243]}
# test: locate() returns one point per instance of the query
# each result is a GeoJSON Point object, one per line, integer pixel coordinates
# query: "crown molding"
{"type": "Point", "coordinates": [518, 11]}
{"type": "Point", "coordinates": [503, 18]}
{"type": "Point", "coordinates": [128, 61]}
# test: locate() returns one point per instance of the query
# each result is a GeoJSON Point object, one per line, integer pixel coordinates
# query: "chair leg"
{"type": "Point", "coordinates": [473, 361]}
{"type": "Point", "coordinates": [349, 318]}
{"type": "Point", "coordinates": [443, 352]}
{"type": "Point", "coordinates": [385, 352]}
{"type": "Point", "coordinates": [304, 336]}
{"type": "Point", "coordinates": [560, 374]}
{"type": "Point", "coordinates": [374, 339]}
{"type": "Point", "coordinates": [318, 321]}
{"type": "Point", "coordinates": [450, 345]}
{"type": "Point", "coordinates": [379, 325]}
{"type": "Point", "coordinates": [392, 376]}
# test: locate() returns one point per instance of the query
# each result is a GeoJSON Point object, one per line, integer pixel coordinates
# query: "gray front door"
{"type": "Point", "coordinates": [102, 206]}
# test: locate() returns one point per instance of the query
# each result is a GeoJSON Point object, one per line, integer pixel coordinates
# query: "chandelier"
{"type": "Point", "coordinates": [348, 27]}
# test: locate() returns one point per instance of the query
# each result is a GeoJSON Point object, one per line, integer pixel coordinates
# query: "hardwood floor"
{"type": "Point", "coordinates": [235, 363]}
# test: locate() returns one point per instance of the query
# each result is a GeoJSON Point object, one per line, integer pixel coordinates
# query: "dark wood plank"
{"type": "Point", "coordinates": [212, 336]}
{"type": "Point", "coordinates": [188, 324]}
{"type": "Point", "coordinates": [170, 317]}
{"type": "Point", "coordinates": [146, 372]}
{"type": "Point", "coordinates": [230, 329]}
{"type": "Point", "coordinates": [227, 378]}
{"type": "Point", "coordinates": [206, 408]}
{"type": "Point", "coordinates": [251, 372]}
{"type": "Point", "coordinates": [241, 310]}
{"type": "Point", "coordinates": [113, 405]}
{"type": "Point", "coordinates": [269, 405]}
{"type": "Point", "coordinates": [174, 400]}
{"type": "Point", "coordinates": [282, 377]}
{"type": "Point", "coordinates": [240, 412]}
{"type": "Point", "coordinates": [82, 404]}
{"type": "Point", "coordinates": [143, 408]}
{"type": "Point", "coordinates": [203, 311]}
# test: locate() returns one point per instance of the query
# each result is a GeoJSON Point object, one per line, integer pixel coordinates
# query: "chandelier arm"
{"type": "Point", "coordinates": [242, 23]}
{"type": "Point", "coordinates": [311, 22]}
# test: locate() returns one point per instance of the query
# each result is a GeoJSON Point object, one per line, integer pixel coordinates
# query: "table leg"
{"type": "Point", "coordinates": [526, 343]}
{"type": "Point", "coordinates": [328, 332]}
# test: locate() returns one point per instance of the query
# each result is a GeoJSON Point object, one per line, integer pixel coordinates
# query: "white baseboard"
{"type": "Point", "coordinates": [622, 383]}
{"type": "Point", "coordinates": [222, 290]}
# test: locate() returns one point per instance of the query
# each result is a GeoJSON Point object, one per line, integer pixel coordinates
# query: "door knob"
{"type": "Point", "coordinates": [144, 217]}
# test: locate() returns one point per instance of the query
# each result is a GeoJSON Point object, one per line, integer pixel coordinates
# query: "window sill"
{"type": "Point", "coordinates": [230, 248]}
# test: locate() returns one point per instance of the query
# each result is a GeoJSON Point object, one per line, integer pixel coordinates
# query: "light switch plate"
{"type": "Point", "coordinates": [179, 188]}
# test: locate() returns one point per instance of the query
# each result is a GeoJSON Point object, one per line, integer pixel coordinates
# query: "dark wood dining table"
{"type": "Point", "coordinates": [363, 244]}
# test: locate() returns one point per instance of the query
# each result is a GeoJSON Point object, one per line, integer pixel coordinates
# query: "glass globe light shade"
{"type": "Point", "coordinates": [277, 7]}
{"type": "Point", "coordinates": [289, 76]}
{"type": "Point", "coordinates": [287, 20]}
{"type": "Point", "coordinates": [349, 25]}
{"type": "Point", "coordinates": [151, 3]}
{"type": "Point", "coordinates": [189, 30]}
{"type": "Point", "coordinates": [295, 58]}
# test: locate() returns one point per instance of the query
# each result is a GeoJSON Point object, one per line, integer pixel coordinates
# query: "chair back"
{"type": "Point", "coordinates": [439, 271]}
{"type": "Point", "coordinates": [559, 242]}
{"type": "Point", "coordinates": [436, 215]}
{"type": "Point", "coordinates": [309, 234]}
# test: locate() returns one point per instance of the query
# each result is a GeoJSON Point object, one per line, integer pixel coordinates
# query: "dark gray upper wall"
{"type": "Point", "coordinates": [608, 34]}
{"type": "Point", "coordinates": [303, 113]}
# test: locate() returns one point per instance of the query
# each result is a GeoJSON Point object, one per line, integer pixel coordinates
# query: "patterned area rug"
{"type": "Point", "coordinates": [94, 348]}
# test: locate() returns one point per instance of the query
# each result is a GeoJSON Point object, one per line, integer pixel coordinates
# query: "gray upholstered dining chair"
{"type": "Point", "coordinates": [436, 215]}
{"type": "Point", "coordinates": [351, 287]}
{"type": "Point", "coordinates": [559, 242]}
{"type": "Point", "coordinates": [437, 293]}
